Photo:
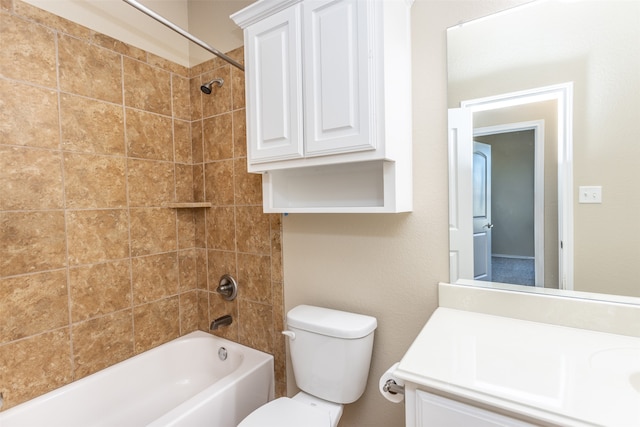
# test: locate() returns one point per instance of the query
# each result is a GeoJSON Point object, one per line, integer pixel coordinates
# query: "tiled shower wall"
{"type": "Point", "coordinates": [95, 137]}
{"type": "Point", "coordinates": [234, 235]}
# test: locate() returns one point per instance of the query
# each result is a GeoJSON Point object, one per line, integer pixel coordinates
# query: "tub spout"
{"type": "Point", "coordinates": [221, 321]}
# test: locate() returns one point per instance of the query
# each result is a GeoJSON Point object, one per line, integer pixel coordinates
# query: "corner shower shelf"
{"type": "Point", "coordinates": [187, 205]}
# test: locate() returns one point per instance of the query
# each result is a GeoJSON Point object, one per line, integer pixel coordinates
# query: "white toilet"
{"type": "Point", "coordinates": [330, 354]}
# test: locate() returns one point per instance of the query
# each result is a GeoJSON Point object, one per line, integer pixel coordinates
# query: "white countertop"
{"type": "Point", "coordinates": [557, 374]}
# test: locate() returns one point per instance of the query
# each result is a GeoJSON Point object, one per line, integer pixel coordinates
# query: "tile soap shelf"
{"type": "Point", "coordinates": [187, 205]}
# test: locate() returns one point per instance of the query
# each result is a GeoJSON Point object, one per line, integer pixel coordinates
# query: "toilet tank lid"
{"type": "Point", "coordinates": [333, 323]}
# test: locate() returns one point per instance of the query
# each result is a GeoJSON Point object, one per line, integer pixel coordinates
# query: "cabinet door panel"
{"type": "Point", "coordinates": [274, 95]}
{"type": "Point", "coordinates": [337, 78]}
{"type": "Point", "coordinates": [432, 410]}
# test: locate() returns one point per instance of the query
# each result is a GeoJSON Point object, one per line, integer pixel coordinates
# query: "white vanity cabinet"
{"type": "Point", "coordinates": [328, 86]}
{"type": "Point", "coordinates": [496, 371]}
{"type": "Point", "coordinates": [429, 410]}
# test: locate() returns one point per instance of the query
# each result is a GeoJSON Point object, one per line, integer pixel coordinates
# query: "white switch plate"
{"type": "Point", "coordinates": [590, 194]}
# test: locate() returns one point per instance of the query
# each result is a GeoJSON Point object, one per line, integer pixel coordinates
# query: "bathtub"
{"type": "Point", "coordinates": [181, 383]}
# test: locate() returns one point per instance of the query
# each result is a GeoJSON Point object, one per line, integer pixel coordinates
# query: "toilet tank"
{"type": "Point", "coordinates": [331, 352]}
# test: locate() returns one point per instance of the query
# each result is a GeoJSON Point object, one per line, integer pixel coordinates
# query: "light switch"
{"type": "Point", "coordinates": [590, 194]}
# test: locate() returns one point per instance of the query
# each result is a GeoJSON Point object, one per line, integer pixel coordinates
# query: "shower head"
{"type": "Point", "coordinates": [206, 88]}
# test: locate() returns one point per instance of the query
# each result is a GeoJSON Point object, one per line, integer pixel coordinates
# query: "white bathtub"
{"type": "Point", "coordinates": [180, 383]}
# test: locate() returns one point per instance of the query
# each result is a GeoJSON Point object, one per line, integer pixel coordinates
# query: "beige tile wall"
{"type": "Point", "coordinates": [95, 136]}
{"type": "Point", "coordinates": [238, 238]}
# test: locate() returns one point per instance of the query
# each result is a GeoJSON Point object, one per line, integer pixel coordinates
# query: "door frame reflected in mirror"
{"type": "Point", "coordinates": [460, 176]}
{"type": "Point", "coordinates": [537, 127]}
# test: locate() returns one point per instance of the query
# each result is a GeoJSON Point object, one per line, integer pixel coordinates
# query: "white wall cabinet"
{"type": "Point", "coordinates": [338, 97]}
{"type": "Point", "coordinates": [274, 95]}
{"type": "Point", "coordinates": [328, 86]}
{"type": "Point", "coordinates": [429, 410]}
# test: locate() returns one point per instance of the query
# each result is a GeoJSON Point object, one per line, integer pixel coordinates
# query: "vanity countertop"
{"type": "Point", "coordinates": [556, 374]}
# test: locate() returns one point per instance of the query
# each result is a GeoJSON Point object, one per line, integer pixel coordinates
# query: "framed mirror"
{"type": "Point", "coordinates": [552, 88]}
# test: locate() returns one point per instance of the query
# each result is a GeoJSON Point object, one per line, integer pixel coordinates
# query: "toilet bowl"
{"type": "Point", "coordinates": [330, 354]}
{"type": "Point", "coordinates": [301, 410]}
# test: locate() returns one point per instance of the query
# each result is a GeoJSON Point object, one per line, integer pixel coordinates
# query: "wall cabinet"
{"type": "Point", "coordinates": [274, 93]}
{"type": "Point", "coordinates": [328, 86]}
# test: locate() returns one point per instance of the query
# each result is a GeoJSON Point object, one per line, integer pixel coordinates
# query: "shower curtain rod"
{"type": "Point", "coordinates": [142, 8]}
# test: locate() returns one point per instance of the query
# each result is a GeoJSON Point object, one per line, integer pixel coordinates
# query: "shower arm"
{"type": "Point", "coordinates": [142, 8]}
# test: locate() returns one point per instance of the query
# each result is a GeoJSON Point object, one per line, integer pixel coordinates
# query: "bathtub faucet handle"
{"type": "Point", "coordinates": [227, 287]}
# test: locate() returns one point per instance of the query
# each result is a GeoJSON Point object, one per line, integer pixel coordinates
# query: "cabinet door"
{"type": "Point", "coordinates": [274, 93]}
{"type": "Point", "coordinates": [337, 72]}
{"type": "Point", "coordinates": [432, 410]}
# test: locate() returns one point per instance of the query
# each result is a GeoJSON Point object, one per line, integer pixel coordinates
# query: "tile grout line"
{"type": "Point", "coordinates": [235, 206]}
{"type": "Point", "coordinates": [56, 34]}
{"type": "Point", "coordinates": [128, 207]}
{"type": "Point", "coordinates": [175, 197]}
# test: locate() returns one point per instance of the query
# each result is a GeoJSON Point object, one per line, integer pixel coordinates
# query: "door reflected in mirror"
{"type": "Point", "coordinates": [576, 246]}
{"type": "Point", "coordinates": [520, 197]}
{"type": "Point", "coordinates": [504, 243]}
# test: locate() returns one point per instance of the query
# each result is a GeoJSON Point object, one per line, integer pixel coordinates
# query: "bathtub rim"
{"type": "Point", "coordinates": [254, 355]}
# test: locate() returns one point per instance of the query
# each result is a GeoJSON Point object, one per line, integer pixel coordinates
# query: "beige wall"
{"type": "Point", "coordinates": [209, 21]}
{"type": "Point", "coordinates": [388, 266]}
{"type": "Point", "coordinates": [95, 136]}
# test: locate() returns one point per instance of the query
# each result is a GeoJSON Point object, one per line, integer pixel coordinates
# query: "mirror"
{"type": "Point", "coordinates": [590, 249]}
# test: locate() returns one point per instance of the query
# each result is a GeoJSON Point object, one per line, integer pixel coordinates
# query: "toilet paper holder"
{"type": "Point", "coordinates": [392, 387]}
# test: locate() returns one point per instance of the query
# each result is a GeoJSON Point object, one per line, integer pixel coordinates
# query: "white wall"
{"type": "Point", "coordinates": [388, 266]}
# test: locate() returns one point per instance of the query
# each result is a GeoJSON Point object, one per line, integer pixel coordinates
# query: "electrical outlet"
{"type": "Point", "coordinates": [590, 194]}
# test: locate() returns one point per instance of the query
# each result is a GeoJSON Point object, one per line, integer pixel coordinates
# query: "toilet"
{"type": "Point", "coordinates": [330, 354]}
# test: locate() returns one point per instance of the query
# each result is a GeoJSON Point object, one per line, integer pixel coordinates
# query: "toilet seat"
{"type": "Point", "coordinates": [286, 412]}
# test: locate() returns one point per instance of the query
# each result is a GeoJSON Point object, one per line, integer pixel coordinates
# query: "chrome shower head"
{"type": "Point", "coordinates": [206, 88]}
